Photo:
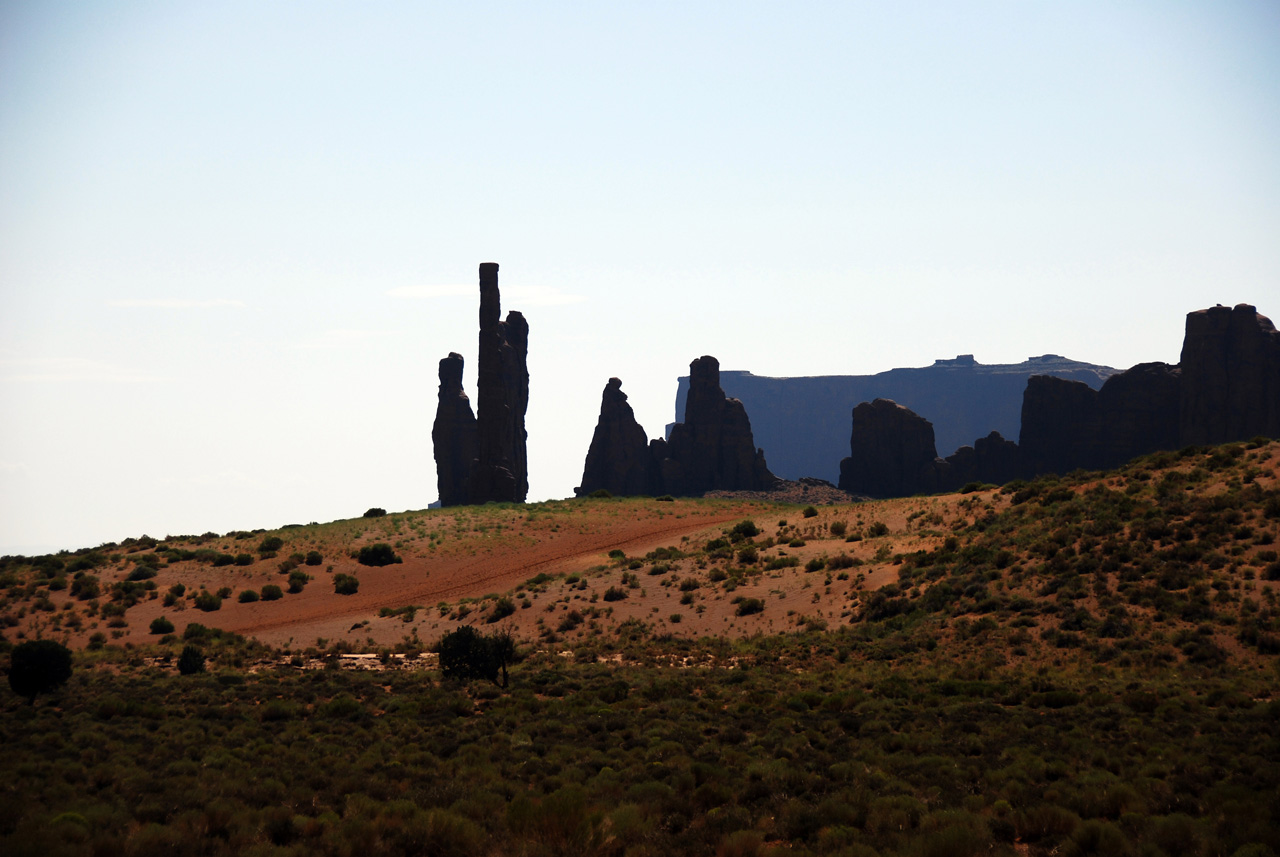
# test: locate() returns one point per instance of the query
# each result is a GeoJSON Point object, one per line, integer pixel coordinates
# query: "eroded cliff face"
{"type": "Point", "coordinates": [1226, 388]}
{"type": "Point", "coordinates": [497, 469]}
{"type": "Point", "coordinates": [711, 450]}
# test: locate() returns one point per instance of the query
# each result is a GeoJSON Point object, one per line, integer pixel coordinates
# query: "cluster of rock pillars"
{"type": "Point", "coordinates": [1225, 387]}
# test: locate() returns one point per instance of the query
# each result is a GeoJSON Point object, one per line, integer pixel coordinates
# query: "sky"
{"type": "Point", "coordinates": [236, 238]}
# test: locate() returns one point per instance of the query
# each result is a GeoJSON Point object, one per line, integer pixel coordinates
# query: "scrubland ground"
{"type": "Point", "coordinates": [1075, 665]}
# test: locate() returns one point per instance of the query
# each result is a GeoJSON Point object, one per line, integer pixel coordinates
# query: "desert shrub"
{"type": "Point", "coordinates": [781, 562]}
{"type": "Point", "coordinates": [297, 580]}
{"type": "Point", "coordinates": [748, 555]}
{"type": "Point", "coordinates": [161, 625]}
{"type": "Point", "coordinates": [244, 559]}
{"type": "Point", "coordinates": [665, 498]}
{"type": "Point", "coordinates": [270, 544]}
{"type": "Point", "coordinates": [271, 592]}
{"type": "Point", "coordinates": [810, 512]}
{"type": "Point", "coordinates": [816, 564]}
{"type": "Point", "coordinates": [601, 494]}
{"type": "Point", "coordinates": [377, 555]}
{"type": "Point", "coordinates": [85, 587]}
{"type": "Point", "coordinates": [38, 666]}
{"type": "Point", "coordinates": [839, 528]}
{"type": "Point", "coordinates": [191, 661]}
{"type": "Point", "coordinates": [208, 602]}
{"type": "Point", "coordinates": [878, 528]}
{"type": "Point", "coordinates": [346, 584]}
{"type": "Point", "coordinates": [503, 608]}
{"type": "Point", "coordinates": [375, 512]}
{"type": "Point", "coordinates": [747, 606]}
{"type": "Point", "coordinates": [466, 654]}
{"type": "Point", "coordinates": [744, 530]}
{"type": "Point", "coordinates": [614, 593]}
{"type": "Point", "coordinates": [314, 558]}
{"type": "Point", "coordinates": [142, 572]}
{"type": "Point", "coordinates": [248, 596]}
{"type": "Point", "coordinates": [840, 561]}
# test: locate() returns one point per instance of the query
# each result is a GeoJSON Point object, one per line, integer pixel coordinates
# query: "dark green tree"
{"type": "Point", "coordinates": [191, 661]}
{"type": "Point", "coordinates": [38, 666]}
{"type": "Point", "coordinates": [466, 654]}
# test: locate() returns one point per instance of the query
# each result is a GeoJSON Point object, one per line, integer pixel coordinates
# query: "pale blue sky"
{"type": "Point", "coordinates": [235, 238]}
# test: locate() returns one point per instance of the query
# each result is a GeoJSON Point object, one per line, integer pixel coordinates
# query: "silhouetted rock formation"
{"type": "Point", "coordinates": [804, 422]}
{"type": "Point", "coordinates": [618, 460]}
{"type": "Point", "coordinates": [453, 434]}
{"type": "Point", "coordinates": [1226, 388]}
{"type": "Point", "coordinates": [1230, 376]}
{"type": "Point", "coordinates": [892, 453]}
{"type": "Point", "coordinates": [713, 448]}
{"type": "Point", "coordinates": [498, 469]}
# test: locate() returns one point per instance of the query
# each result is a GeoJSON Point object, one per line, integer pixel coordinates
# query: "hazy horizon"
{"type": "Point", "coordinates": [236, 240]}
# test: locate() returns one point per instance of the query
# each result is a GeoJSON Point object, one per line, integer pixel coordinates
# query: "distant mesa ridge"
{"type": "Point", "coordinates": [712, 449]}
{"type": "Point", "coordinates": [1226, 387]}
{"type": "Point", "coordinates": [803, 422]}
{"type": "Point", "coordinates": [484, 457]}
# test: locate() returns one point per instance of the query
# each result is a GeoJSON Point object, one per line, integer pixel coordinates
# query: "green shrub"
{"type": "Point", "coordinates": [38, 666]}
{"type": "Point", "coordinates": [810, 512]}
{"type": "Point", "coordinates": [297, 580]}
{"type": "Point", "coordinates": [244, 559]}
{"type": "Point", "coordinates": [248, 596]}
{"type": "Point", "coordinates": [747, 606]}
{"type": "Point", "coordinates": [501, 610]}
{"type": "Point", "coordinates": [208, 602]}
{"type": "Point", "coordinates": [271, 592]}
{"type": "Point", "coordinates": [191, 661]}
{"type": "Point", "coordinates": [314, 558]}
{"type": "Point", "coordinates": [839, 528]}
{"type": "Point", "coordinates": [614, 593]}
{"type": "Point", "coordinates": [270, 544]}
{"type": "Point", "coordinates": [377, 555]}
{"type": "Point", "coordinates": [375, 512]}
{"type": "Point", "coordinates": [601, 494]}
{"type": "Point", "coordinates": [346, 584]}
{"type": "Point", "coordinates": [161, 625]}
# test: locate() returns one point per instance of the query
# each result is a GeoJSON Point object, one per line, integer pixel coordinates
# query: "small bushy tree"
{"type": "Point", "coordinates": [38, 666]}
{"type": "Point", "coordinates": [466, 654]}
{"type": "Point", "coordinates": [191, 661]}
{"type": "Point", "coordinates": [346, 584]}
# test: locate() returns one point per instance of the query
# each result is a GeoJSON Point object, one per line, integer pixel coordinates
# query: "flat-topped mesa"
{"type": "Point", "coordinates": [713, 448]}
{"type": "Point", "coordinates": [484, 458]}
{"type": "Point", "coordinates": [618, 459]}
{"type": "Point", "coordinates": [453, 434]}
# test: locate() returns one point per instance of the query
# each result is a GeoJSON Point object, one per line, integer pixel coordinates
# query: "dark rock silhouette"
{"type": "Point", "coordinates": [892, 453]}
{"type": "Point", "coordinates": [1226, 388]}
{"type": "Point", "coordinates": [991, 459]}
{"type": "Point", "coordinates": [1230, 376]}
{"type": "Point", "coordinates": [453, 435]}
{"type": "Point", "coordinates": [501, 471]}
{"type": "Point", "coordinates": [713, 448]}
{"type": "Point", "coordinates": [618, 460]}
{"type": "Point", "coordinates": [497, 468]}
{"type": "Point", "coordinates": [804, 422]}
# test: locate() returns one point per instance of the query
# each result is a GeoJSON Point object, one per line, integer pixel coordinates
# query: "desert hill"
{"type": "Point", "coordinates": [1079, 665]}
{"type": "Point", "coordinates": [1169, 542]}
